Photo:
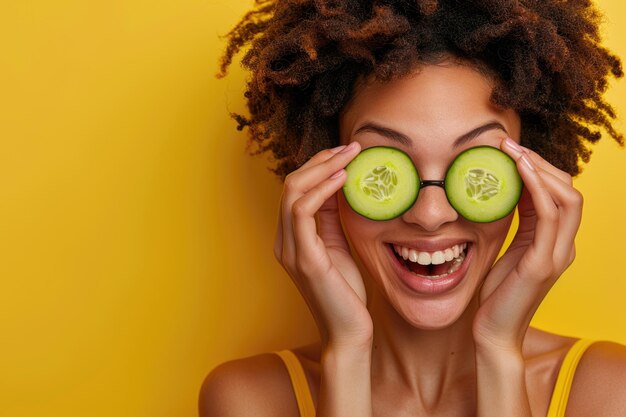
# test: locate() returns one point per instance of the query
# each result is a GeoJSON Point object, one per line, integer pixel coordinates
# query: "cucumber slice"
{"type": "Point", "coordinates": [482, 184]}
{"type": "Point", "coordinates": [382, 183]}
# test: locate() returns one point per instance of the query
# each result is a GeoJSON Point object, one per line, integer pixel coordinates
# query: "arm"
{"type": "Point", "coordinates": [502, 384]}
{"type": "Point", "coordinates": [264, 383]}
{"type": "Point", "coordinates": [550, 211]}
{"type": "Point", "coordinates": [345, 389]}
{"type": "Point", "coordinates": [312, 248]}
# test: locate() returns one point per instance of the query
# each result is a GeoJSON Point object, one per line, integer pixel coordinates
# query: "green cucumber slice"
{"type": "Point", "coordinates": [482, 184]}
{"type": "Point", "coordinates": [382, 183]}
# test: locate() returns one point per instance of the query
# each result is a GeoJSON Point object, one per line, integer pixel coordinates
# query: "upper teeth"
{"type": "Point", "coordinates": [427, 258]}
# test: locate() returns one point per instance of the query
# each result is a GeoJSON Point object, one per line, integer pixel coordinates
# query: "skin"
{"type": "Point", "coordinates": [455, 353]}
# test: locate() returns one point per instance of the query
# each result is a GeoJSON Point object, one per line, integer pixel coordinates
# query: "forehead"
{"type": "Point", "coordinates": [434, 104]}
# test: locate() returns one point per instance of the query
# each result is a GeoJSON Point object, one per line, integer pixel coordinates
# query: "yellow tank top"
{"type": "Point", "coordinates": [563, 385]}
{"type": "Point", "coordinates": [299, 383]}
{"type": "Point", "coordinates": [560, 394]}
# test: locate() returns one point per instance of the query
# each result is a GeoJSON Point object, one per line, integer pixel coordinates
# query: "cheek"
{"type": "Point", "coordinates": [364, 235]}
{"type": "Point", "coordinates": [494, 235]}
{"type": "Point", "coordinates": [353, 224]}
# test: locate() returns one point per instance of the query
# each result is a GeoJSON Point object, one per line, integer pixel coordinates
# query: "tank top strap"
{"type": "Point", "coordinates": [299, 383]}
{"type": "Point", "coordinates": [563, 385]}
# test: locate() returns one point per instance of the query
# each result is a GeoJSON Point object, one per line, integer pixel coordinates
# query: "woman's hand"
{"type": "Point", "coordinates": [550, 211]}
{"type": "Point", "coordinates": [311, 246]}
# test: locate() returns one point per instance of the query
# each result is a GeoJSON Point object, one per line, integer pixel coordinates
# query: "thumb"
{"type": "Point", "coordinates": [329, 224]}
{"type": "Point", "coordinates": [526, 211]}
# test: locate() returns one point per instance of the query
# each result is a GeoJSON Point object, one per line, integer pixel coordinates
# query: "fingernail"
{"type": "Point", "coordinates": [337, 149]}
{"type": "Point", "coordinates": [513, 145]}
{"type": "Point", "coordinates": [349, 147]}
{"type": "Point", "coordinates": [527, 162]}
{"type": "Point", "coordinates": [337, 174]}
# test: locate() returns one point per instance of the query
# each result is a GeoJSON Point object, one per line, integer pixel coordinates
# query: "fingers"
{"type": "Point", "coordinates": [545, 165]}
{"type": "Point", "coordinates": [550, 213]}
{"type": "Point", "coordinates": [322, 165]}
{"type": "Point", "coordinates": [303, 215]}
{"type": "Point", "coordinates": [327, 277]}
{"type": "Point", "coordinates": [558, 211]}
{"type": "Point", "coordinates": [329, 225]}
{"type": "Point", "coordinates": [322, 156]}
{"type": "Point", "coordinates": [569, 202]}
{"type": "Point", "coordinates": [547, 212]}
{"type": "Point", "coordinates": [308, 179]}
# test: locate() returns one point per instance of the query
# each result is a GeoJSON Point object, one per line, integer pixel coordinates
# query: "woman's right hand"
{"type": "Point", "coordinates": [311, 246]}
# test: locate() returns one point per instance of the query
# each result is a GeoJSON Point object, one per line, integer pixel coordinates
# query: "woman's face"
{"type": "Point", "coordinates": [428, 115]}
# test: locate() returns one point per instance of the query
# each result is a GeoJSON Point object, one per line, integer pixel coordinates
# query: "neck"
{"type": "Point", "coordinates": [429, 364]}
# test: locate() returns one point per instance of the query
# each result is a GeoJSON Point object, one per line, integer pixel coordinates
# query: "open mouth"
{"type": "Point", "coordinates": [432, 265]}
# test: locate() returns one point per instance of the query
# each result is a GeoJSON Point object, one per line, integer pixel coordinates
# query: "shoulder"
{"type": "Point", "coordinates": [544, 353]}
{"type": "Point", "coordinates": [599, 386]}
{"type": "Point", "coordinates": [254, 386]}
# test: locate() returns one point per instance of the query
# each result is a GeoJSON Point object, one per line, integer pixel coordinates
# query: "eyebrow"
{"type": "Point", "coordinates": [405, 140]}
{"type": "Point", "coordinates": [386, 132]}
{"type": "Point", "coordinates": [466, 137]}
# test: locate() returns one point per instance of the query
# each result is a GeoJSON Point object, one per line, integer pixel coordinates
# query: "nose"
{"type": "Point", "coordinates": [431, 209]}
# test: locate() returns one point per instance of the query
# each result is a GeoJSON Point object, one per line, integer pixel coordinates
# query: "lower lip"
{"type": "Point", "coordinates": [431, 286]}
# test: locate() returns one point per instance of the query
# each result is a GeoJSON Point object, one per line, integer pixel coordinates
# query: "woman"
{"type": "Point", "coordinates": [432, 78]}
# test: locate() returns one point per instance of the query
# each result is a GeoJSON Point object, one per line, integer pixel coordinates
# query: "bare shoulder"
{"type": "Point", "coordinates": [542, 344]}
{"type": "Point", "coordinates": [599, 386]}
{"type": "Point", "coordinates": [256, 386]}
{"type": "Point", "coordinates": [543, 355]}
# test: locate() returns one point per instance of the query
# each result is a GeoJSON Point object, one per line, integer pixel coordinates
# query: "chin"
{"type": "Point", "coordinates": [432, 314]}
{"type": "Point", "coordinates": [427, 312]}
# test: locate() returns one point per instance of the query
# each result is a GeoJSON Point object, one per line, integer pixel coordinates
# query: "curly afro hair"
{"type": "Point", "coordinates": [306, 55]}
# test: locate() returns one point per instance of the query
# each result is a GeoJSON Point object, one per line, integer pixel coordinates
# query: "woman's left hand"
{"type": "Point", "coordinates": [550, 211]}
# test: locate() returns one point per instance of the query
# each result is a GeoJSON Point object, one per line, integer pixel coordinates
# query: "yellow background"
{"type": "Point", "coordinates": [135, 233]}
